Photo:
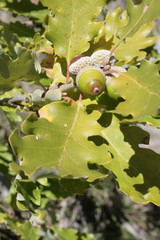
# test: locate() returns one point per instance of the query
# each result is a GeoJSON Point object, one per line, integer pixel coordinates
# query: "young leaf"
{"type": "Point", "coordinates": [12, 71]}
{"type": "Point", "coordinates": [72, 25]}
{"type": "Point", "coordinates": [57, 74]}
{"type": "Point", "coordinates": [140, 88]}
{"type": "Point", "coordinates": [131, 47]}
{"type": "Point", "coordinates": [114, 21]}
{"type": "Point", "coordinates": [58, 143]}
{"type": "Point", "coordinates": [145, 12]}
{"type": "Point", "coordinates": [136, 169]}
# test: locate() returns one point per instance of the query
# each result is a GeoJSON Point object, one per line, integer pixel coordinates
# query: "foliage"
{"type": "Point", "coordinates": [56, 141]}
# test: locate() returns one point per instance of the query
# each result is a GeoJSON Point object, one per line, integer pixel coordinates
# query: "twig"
{"type": "Point", "coordinates": [67, 86]}
{"type": "Point", "coordinates": [17, 98]}
{"type": "Point", "coordinates": [40, 84]}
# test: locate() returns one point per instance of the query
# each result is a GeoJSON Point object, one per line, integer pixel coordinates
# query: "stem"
{"type": "Point", "coordinates": [112, 51]}
{"type": "Point", "coordinates": [40, 84]}
{"type": "Point", "coordinates": [67, 86]}
{"type": "Point", "coordinates": [68, 75]}
{"type": "Point", "coordinates": [110, 71]}
{"type": "Point", "coordinates": [69, 99]}
{"type": "Point", "coordinates": [80, 97]}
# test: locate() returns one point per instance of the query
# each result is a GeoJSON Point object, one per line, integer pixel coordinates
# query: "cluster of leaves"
{"type": "Point", "coordinates": [66, 144]}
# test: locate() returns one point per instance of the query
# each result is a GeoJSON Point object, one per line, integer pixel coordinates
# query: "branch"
{"type": "Point", "coordinates": [64, 87]}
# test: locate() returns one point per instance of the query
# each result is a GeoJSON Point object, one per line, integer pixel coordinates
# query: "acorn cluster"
{"type": "Point", "coordinates": [93, 73]}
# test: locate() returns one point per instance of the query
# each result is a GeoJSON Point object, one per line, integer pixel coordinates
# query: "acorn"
{"type": "Point", "coordinates": [91, 81]}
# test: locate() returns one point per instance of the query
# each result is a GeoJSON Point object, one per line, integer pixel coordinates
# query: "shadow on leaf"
{"type": "Point", "coordinates": [144, 161]}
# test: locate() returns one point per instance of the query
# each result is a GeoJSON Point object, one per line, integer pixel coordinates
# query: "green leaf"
{"type": "Point", "coordinates": [74, 186]}
{"type": "Point", "coordinates": [8, 39]}
{"type": "Point", "coordinates": [89, 236]}
{"type": "Point", "coordinates": [3, 217]}
{"type": "Point", "coordinates": [136, 169]}
{"type": "Point", "coordinates": [72, 25]}
{"type": "Point", "coordinates": [21, 30]}
{"type": "Point", "coordinates": [13, 117]}
{"type": "Point", "coordinates": [4, 154]}
{"type": "Point", "coordinates": [131, 47]}
{"type": "Point", "coordinates": [145, 12]}
{"type": "Point", "coordinates": [57, 74]}
{"type": "Point", "coordinates": [151, 121]}
{"type": "Point", "coordinates": [2, 3]}
{"type": "Point", "coordinates": [53, 95]}
{"type": "Point", "coordinates": [38, 15]}
{"type": "Point", "coordinates": [114, 21]}
{"type": "Point", "coordinates": [60, 189]}
{"type": "Point", "coordinates": [5, 158]}
{"type": "Point", "coordinates": [23, 6]}
{"type": "Point", "coordinates": [63, 142]}
{"type": "Point", "coordinates": [12, 71]}
{"type": "Point", "coordinates": [25, 230]}
{"type": "Point", "coordinates": [36, 96]}
{"type": "Point", "coordinates": [28, 195]}
{"type": "Point", "coordinates": [64, 234]}
{"type": "Point", "coordinates": [10, 94]}
{"type": "Point", "coordinates": [70, 234]}
{"type": "Point", "coordinates": [140, 88]}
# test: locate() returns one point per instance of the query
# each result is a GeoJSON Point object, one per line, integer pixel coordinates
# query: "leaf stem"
{"type": "Point", "coordinates": [68, 75]}
{"type": "Point", "coordinates": [40, 84]}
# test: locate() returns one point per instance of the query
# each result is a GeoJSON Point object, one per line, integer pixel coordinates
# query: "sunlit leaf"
{"type": "Point", "coordinates": [136, 169]}
{"type": "Point", "coordinates": [38, 15]}
{"type": "Point", "coordinates": [72, 25]}
{"type": "Point", "coordinates": [151, 121]}
{"type": "Point", "coordinates": [114, 21]}
{"type": "Point", "coordinates": [140, 88]}
{"type": "Point", "coordinates": [128, 47]}
{"type": "Point", "coordinates": [145, 12]}
{"type": "Point", "coordinates": [10, 94]}
{"type": "Point", "coordinates": [57, 74]}
{"type": "Point", "coordinates": [131, 48]}
{"type": "Point", "coordinates": [63, 142]}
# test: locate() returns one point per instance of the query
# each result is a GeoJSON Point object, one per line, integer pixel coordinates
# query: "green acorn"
{"type": "Point", "coordinates": [91, 81]}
